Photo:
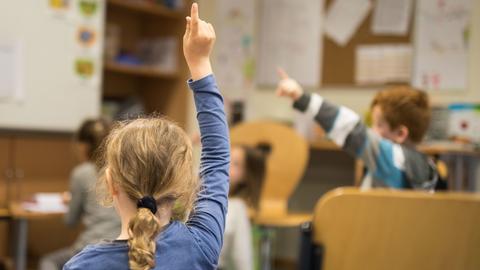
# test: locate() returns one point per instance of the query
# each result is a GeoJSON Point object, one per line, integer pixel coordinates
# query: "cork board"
{"type": "Point", "coordinates": [338, 67]}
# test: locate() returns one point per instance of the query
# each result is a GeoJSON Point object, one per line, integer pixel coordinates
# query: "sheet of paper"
{"type": "Point", "coordinates": [441, 44]}
{"type": "Point", "coordinates": [379, 64]}
{"type": "Point", "coordinates": [344, 17]}
{"type": "Point", "coordinates": [46, 203]}
{"type": "Point", "coordinates": [290, 37]}
{"type": "Point", "coordinates": [391, 17]}
{"type": "Point", "coordinates": [234, 49]}
{"type": "Point", "coordinates": [10, 70]}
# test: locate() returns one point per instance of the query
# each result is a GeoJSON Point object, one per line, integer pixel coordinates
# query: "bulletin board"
{"type": "Point", "coordinates": [339, 62]}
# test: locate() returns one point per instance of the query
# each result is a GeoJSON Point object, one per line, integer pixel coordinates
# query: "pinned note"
{"type": "Point", "coordinates": [441, 44]}
{"type": "Point", "coordinates": [380, 64]}
{"type": "Point", "coordinates": [343, 19]}
{"type": "Point", "coordinates": [10, 70]}
{"type": "Point", "coordinates": [391, 17]}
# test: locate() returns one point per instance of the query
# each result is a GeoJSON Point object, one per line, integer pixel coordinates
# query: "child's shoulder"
{"type": "Point", "coordinates": [104, 255]}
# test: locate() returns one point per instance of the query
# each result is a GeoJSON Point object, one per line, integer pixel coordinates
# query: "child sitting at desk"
{"type": "Point", "coordinates": [100, 223]}
{"type": "Point", "coordinates": [400, 117]}
{"type": "Point", "coordinates": [247, 171]}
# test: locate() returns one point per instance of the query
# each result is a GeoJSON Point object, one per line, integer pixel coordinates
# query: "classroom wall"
{"type": "Point", "coordinates": [263, 103]}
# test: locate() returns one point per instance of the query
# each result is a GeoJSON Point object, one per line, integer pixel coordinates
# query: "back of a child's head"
{"type": "Point", "coordinates": [254, 173]}
{"type": "Point", "coordinates": [92, 133]}
{"type": "Point", "coordinates": [150, 158]}
{"type": "Point", "coordinates": [404, 105]}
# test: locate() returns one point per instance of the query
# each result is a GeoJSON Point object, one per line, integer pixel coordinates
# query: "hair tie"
{"type": "Point", "coordinates": [148, 202]}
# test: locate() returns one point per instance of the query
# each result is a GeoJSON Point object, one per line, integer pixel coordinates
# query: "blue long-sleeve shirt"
{"type": "Point", "coordinates": [197, 243]}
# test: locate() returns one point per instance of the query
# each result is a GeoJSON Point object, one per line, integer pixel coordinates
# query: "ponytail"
{"type": "Point", "coordinates": [143, 228]}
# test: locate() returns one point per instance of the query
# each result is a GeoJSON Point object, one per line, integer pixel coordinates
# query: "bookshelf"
{"type": "Point", "coordinates": [163, 92]}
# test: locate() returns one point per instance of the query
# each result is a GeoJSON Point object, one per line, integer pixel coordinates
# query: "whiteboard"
{"type": "Point", "coordinates": [49, 94]}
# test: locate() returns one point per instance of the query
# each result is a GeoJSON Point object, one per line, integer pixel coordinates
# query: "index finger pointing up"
{"type": "Point", "coordinates": [194, 14]}
{"type": "Point", "coordinates": [282, 73]}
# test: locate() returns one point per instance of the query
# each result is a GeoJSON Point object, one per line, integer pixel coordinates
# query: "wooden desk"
{"type": "Point", "coordinates": [429, 148]}
{"type": "Point", "coordinates": [21, 217]}
{"type": "Point", "coordinates": [459, 153]}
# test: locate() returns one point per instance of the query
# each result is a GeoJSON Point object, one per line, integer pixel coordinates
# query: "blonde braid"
{"type": "Point", "coordinates": [143, 229]}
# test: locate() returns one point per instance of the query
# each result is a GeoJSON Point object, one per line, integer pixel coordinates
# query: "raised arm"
{"type": "Point", "coordinates": [208, 220]}
{"type": "Point", "coordinates": [385, 160]}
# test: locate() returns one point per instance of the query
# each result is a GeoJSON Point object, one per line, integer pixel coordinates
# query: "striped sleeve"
{"type": "Point", "coordinates": [384, 159]}
{"type": "Point", "coordinates": [343, 126]}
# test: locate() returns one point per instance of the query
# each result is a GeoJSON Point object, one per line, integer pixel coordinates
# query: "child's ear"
{"type": "Point", "coordinates": [401, 134]}
{"type": "Point", "coordinates": [112, 188]}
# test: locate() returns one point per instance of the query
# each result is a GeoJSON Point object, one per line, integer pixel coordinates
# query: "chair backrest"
{"type": "Point", "coordinates": [286, 162]}
{"type": "Point", "coordinates": [397, 230]}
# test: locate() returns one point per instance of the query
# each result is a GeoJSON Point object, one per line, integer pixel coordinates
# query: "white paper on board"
{"type": "Point", "coordinates": [10, 70]}
{"type": "Point", "coordinates": [441, 44]}
{"type": "Point", "coordinates": [290, 37]}
{"type": "Point", "coordinates": [235, 47]}
{"type": "Point", "coordinates": [343, 19]}
{"type": "Point", "coordinates": [380, 64]}
{"type": "Point", "coordinates": [391, 17]}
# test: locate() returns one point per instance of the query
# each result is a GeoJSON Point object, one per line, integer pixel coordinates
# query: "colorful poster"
{"type": "Point", "coordinates": [441, 44]}
{"type": "Point", "coordinates": [234, 51]}
{"type": "Point", "coordinates": [61, 9]}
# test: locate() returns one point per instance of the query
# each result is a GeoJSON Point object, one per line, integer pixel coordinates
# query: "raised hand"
{"type": "Point", "coordinates": [198, 42]}
{"type": "Point", "coordinates": [288, 87]}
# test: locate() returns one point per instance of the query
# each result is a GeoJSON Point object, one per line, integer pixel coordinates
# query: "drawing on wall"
{"type": "Point", "coordinates": [235, 47]}
{"type": "Point", "coordinates": [441, 44]}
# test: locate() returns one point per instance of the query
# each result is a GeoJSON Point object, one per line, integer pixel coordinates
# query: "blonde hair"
{"type": "Point", "coordinates": [150, 157]}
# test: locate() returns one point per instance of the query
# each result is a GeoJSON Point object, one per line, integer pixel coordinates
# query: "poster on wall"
{"type": "Point", "coordinates": [61, 9]}
{"type": "Point", "coordinates": [87, 38]}
{"type": "Point", "coordinates": [290, 38]}
{"type": "Point", "coordinates": [441, 44]}
{"type": "Point", "coordinates": [234, 51]}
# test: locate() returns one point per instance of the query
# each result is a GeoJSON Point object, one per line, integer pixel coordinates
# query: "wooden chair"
{"type": "Point", "coordinates": [397, 230]}
{"type": "Point", "coordinates": [285, 167]}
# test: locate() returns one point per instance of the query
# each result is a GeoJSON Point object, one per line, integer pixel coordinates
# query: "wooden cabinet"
{"type": "Point", "coordinates": [5, 173]}
{"type": "Point", "coordinates": [31, 163]}
{"type": "Point", "coordinates": [42, 164]}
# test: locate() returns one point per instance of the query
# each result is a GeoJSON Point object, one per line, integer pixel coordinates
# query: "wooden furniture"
{"type": "Point", "coordinates": [30, 163]}
{"type": "Point", "coordinates": [4, 218]}
{"type": "Point", "coordinates": [459, 154]}
{"type": "Point", "coordinates": [159, 91]}
{"type": "Point", "coordinates": [21, 217]}
{"type": "Point", "coordinates": [387, 229]}
{"type": "Point", "coordinates": [285, 166]}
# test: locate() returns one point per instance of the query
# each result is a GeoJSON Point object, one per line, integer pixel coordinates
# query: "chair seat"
{"type": "Point", "coordinates": [285, 220]}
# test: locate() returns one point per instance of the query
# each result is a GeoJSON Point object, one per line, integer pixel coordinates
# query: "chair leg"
{"type": "Point", "coordinates": [266, 248]}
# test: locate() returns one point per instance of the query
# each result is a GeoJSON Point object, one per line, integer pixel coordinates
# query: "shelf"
{"type": "Point", "coordinates": [147, 7]}
{"type": "Point", "coordinates": [139, 71]}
